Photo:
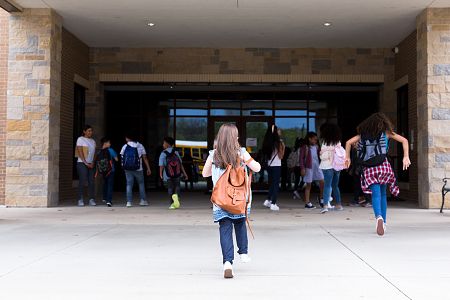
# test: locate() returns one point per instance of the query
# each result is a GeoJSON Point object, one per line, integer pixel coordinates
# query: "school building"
{"type": "Point", "coordinates": [182, 68]}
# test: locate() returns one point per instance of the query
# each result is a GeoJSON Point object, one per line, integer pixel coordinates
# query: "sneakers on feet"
{"type": "Point", "coordinates": [245, 258]}
{"type": "Point", "coordinates": [309, 206]}
{"type": "Point", "coordinates": [324, 210]}
{"type": "Point", "coordinates": [274, 207]}
{"type": "Point", "coordinates": [129, 204]}
{"type": "Point", "coordinates": [172, 206]}
{"type": "Point", "coordinates": [227, 270]}
{"type": "Point", "coordinates": [338, 208]}
{"type": "Point", "coordinates": [80, 203]}
{"type": "Point", "coordinates": [380, 226]}
{"type": "Point", "coordinates": [267, 203]}
{"type": "Point", "coordinates": [92, 202]}
{"type": "Point", "coordinates": [176, 201]}
{"type": "Point", "coordinates": [109, 204]}
{"type": "Point", "coordinates": [297, 195]}
{"type": "Point", "coordinates": [320, 202]}
{"type": "Point", "coordinates": [143, 202]}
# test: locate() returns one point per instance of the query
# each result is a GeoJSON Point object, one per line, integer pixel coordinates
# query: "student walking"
{"type": "Point", "coordinates": [373, 138]}
{"type": "Point", "coordinates": [105, 160]}
{"type": "Point", "coordinates": [294, 164]}
{"type": "Point", "coordinates": [85, 152]}
{"type": "Point", "coordinates": [273, 149]}
{"type": "Point", "coordinates": [133, 154]}
{"type": "Point", "coordinates": [170, 170]}
{"type": "Point", "coordinates": [332, 159]}
{"type": "Point", "coordinates": [309, 167]}
{"type": "Point", "coordinates": [227, 153]}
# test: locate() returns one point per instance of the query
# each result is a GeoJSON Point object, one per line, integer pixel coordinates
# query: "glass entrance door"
{"type": "Point", "coordinates": [251, 136]}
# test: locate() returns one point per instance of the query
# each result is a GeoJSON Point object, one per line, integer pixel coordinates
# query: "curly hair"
{"type": "Point", "coordinates": [375, 125]}
{"type": "Point", "coordinates": [330, 134]}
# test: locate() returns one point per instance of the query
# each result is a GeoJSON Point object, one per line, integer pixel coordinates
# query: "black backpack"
{"type": "Point", "coordinates": [104, 163]}
{"type": "Point", "coordinates": [173, 164]}
{"type": "Point", "coordinates": [372, 151]}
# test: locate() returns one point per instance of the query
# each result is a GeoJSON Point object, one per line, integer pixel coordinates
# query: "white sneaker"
{"type": "Point", "coordinates": [245, 258]}
{"type": "Point", "coordinates": [129, 204]}
{"type": "Point", "coordinates": [380, 226]}
{"type": "Point", "coordinates": [80, 203]}
{"type": "Point", "coordinates": [227, 270]}
{"type": "Point", "coordinates": [92, 202]}
{"type": "Point", "coordinates": [267, 203]}
{"type": "Point", "coordinates": [324, 210]}
{"type": "Point", "coordinates": [143, 202]}
{"type": "Point", "coordinates": [329, 206]}
{"type": "Point", "coordinates": [274, 207]}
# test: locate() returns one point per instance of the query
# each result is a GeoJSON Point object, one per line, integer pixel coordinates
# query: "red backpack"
{"type": "Point", "coordinates": [173, 164]}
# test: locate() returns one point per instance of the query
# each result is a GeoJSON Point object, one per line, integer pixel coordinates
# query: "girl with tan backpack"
{"type": "Point", "coordinates": [231, 197]}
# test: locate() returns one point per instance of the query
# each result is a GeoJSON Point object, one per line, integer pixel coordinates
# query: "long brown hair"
{"type": "Point", "coordinates": [227, 146]}
{"type": "Point", "coordinates": [374, 126]}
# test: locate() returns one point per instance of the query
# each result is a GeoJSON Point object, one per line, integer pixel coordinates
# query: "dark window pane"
{"type": "Point", "coordinates": [257, 108]}
{"type": "Point", "coordinates": [192, 107]}
{"type": "Point", "coordinates": [225, 107]}
{"type": "Point", "coordinates": [288, 108]}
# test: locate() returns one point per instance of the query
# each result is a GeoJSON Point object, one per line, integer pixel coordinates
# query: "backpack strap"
{"type": "Point", "coordinates": [246, 205]}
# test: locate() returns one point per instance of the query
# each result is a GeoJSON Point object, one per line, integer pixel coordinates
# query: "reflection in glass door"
{"type": "Point", "coordinates": [255, 129]}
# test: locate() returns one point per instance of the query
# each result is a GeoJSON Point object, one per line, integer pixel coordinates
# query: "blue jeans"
{"type": "Point", "coordinates": [274, 179]}
{"type": "Point", "coordinates": [108, 184]}
{"type": "Point", "coordinates": [331, 185]}
{"type": "Point", "coordinates": [226, 237]}
{"type": "Point", "coordinates": [379, 201]}
{"type": "Point", "coordinates": [85, 174]}
{"type": "Point", "coordinates": [131, 175]}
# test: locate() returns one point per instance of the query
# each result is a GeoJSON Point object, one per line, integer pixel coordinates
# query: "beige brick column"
{"type": "Point", "coordinates": [33, 108]}
{"type": "Point", "coordinates": [433, 103]}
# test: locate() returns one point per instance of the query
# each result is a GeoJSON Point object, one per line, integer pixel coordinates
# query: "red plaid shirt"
{"type": "Point", "coordinates": [382, 174]}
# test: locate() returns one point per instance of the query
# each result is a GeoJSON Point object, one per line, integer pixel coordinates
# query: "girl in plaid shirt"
{"type": "Point", "coordinates": [375, 179]}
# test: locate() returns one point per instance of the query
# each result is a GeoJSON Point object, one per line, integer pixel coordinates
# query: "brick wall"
{"type": "Point", "coordinates": [4, 27]}
{"type": "Point", "coordinates": [74, 61]}
{"type": "Point", "coordinates": [406, 65]}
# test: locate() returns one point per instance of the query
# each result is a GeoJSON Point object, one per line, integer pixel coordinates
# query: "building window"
{"type": "Point", "coordinates": [79, 104]}
{"type": "Point", "coordinates": [402, 129]}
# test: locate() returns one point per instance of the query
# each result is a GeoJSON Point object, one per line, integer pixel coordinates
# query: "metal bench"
{"type": "Point", "coordinates": [445, 190]}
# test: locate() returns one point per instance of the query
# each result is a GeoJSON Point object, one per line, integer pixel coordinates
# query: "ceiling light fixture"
{"type": "Point", "coordinates": [151, 24]}
{"type": "Point", "coordinates": [327, 24]}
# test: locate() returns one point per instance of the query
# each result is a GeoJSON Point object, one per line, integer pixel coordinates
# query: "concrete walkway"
{"type": "Point", "coordinates": [153, 253]}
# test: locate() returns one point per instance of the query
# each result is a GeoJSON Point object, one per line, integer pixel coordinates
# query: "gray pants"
{"type": "Point", "coordinates": [85, 174]}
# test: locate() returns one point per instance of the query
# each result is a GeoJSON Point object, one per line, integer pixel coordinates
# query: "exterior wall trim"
{"type": "Point", "coordinates": [242, 78]}
{"type": "Point", "coordinates": [401, 82]}
{"type": "Point", "coordinates": [81, 81]}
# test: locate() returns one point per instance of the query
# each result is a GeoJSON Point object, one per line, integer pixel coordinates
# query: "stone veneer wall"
{"type": "Point", "coordinates": [433, 103]}
{"type": "Point", "coordinates": [4, 36]}
{"type": "Point", "coordinates": [234, 61]}
{"type": "Point", "coordinates": [33, 108]}
{"type": "Point", "coordinates": [406, 65]}
{"type": "Point", "coordinates": [74, 61]}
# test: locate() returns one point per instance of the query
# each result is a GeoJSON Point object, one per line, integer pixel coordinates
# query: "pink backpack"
{"type": "Point", "coordinates": [339, 158]}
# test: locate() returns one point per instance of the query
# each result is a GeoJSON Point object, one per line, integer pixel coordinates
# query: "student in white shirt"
{"type": "Point", "coordinates": [330, 135]}
{"type": "Point", "coordinates": [133, 154]}
{"type": "Point", "coordinates": [273, 148]}
{"type": "Point", "coordinates": [85, 151]}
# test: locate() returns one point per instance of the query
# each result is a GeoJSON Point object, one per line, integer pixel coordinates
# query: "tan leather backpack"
{"type": "Point", "coordinates": [231, 190]}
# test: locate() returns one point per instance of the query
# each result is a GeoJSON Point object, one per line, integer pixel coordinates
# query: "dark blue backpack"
{"type": "Point", "coordinates": [130, 159]}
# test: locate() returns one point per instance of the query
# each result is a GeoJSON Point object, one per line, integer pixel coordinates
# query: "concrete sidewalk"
{"type": "Point", "coordinates": [153, 253]}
